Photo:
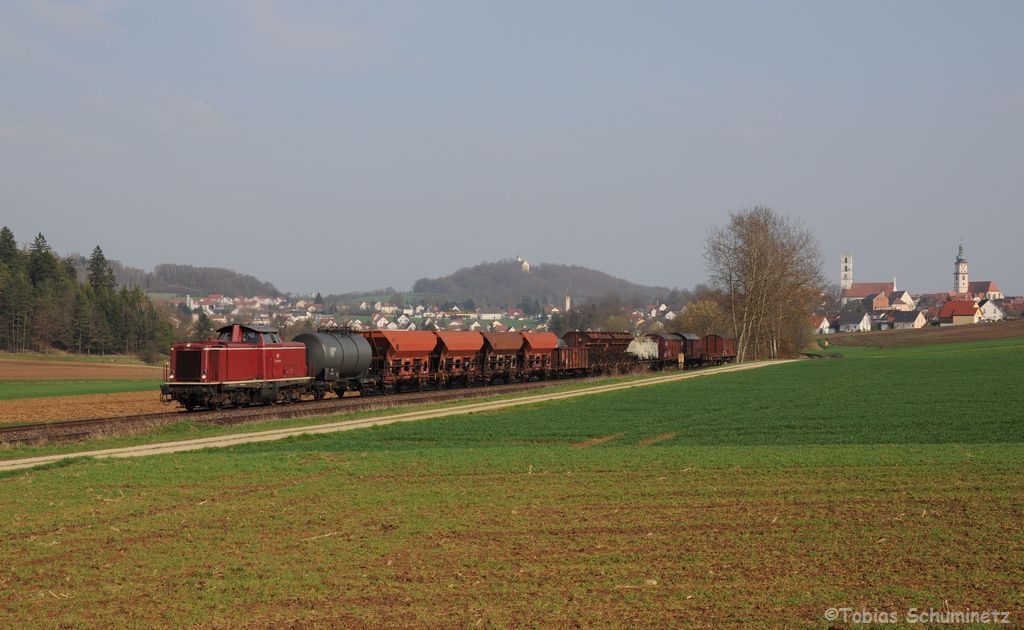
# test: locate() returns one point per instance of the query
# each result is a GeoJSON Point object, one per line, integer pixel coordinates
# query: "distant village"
{"type": "Point", "coordinates": [866, 306]}
{"type": "Point", "coordinates": [861, 307]}
{"type": "Point", "coordinates": [294, 313]}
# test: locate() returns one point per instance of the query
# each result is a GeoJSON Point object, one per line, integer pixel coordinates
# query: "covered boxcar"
{"type": "Point", "coordinates": [670, 349]}
{"type": "Point", "coordinates": [715, 349]}
{"type": "Point", "coordinates": [607, 350]}
{"type": "Point", "coordinates": [244, 365]}
{"type": "Point", "coordinates": [689, 348]}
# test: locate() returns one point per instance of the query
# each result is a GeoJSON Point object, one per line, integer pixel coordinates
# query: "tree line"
{"type": "Point", "coordinates": [44, 306]}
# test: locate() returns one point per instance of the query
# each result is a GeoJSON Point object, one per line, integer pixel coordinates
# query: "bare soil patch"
{"type": "Point", "coordinates": [19, 370]}
{"type": "Point", "coordinates": [77, 407]}
{"type": "Point", "coordinates": [598, 440]}
{"type": "Point", "coordinates": [930, 335]}
{"type": "Point", "coordinates": [657, 438]}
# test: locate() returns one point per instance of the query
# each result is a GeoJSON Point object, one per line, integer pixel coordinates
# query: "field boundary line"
{"type": "Point", "coordinates": [348, 425]}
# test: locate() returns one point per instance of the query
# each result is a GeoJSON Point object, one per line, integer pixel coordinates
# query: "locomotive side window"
{"type": "Point", "coordinates": [271, 338]}
{"type": "Point", "coordinates": [250, 337]}
{"type": "Point", "coordinates": [224, 336]}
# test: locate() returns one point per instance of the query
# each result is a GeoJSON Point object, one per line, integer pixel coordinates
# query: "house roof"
{"type": "Point", "coordinates": [956, 308]}
{"type": "Point", "coordinates": [864, 289]}
{"type": "Point", "coordinates": [905, 317]}
{"type": "Point", "coordinates": [851, 318]}
{"type": "Point", "coordinates": [897, 295]}
{"type": "Point", "coordinates": [818, 320]}
{"type": "Point", "coordinates": [982, 286]}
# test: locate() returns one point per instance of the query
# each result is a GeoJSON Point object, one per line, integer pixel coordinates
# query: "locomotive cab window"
{"type": "Point", "coordinates": [271, 338]}
{"type": "Point", "coordinates": [250, 336]}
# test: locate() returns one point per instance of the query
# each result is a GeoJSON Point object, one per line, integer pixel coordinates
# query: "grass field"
{"type": "Point", "coordinates": [13, 390]}
{"type": "Point", "coordinates": [115, 359]}
{"type": "Point", "coordinates": [884, 480]}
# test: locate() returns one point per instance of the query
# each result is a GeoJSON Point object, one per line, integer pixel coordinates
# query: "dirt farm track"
{"type": "Point", "coordinates": [30, 370]}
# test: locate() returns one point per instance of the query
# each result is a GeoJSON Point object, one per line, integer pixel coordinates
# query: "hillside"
{"type": "Point", "coordinates": [494, 283]}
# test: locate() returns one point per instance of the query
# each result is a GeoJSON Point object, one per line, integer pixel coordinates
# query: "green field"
{"type": "Point", "coordinates": [109, 359]}
{"type": "Point", "coordinates": [883, 480]}
{"type": "Point", "coordinates": [12, 390]}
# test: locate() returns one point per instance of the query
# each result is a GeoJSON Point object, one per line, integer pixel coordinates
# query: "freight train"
{"type": "Point", "coordinates": [249, 364]}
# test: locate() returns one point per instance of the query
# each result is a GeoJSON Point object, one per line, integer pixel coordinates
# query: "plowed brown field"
{"type": "Point", "coordinates": [77, 407]}
{"type": "Point", "coordinates": [19, 370]}
{"type": "Point", "coordinates": [930, 335]}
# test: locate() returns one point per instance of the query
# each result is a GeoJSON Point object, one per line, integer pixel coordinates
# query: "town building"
{"type": "Point", "coordinates": [990, 311]}
{"type": "Point", "coordinates": [907, 319]}
{"type": "Point", "coordinates": [957, 312]}
{"type": "Point", "coordinates": [853, 322]}
{"type": "Point", "coordinates": [860, 290]}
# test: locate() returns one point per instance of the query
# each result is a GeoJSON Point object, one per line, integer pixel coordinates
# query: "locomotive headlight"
{"type": "Point", "coordinates": [203, 375]}
{"type": "Point", "coordinates": [170, 375]}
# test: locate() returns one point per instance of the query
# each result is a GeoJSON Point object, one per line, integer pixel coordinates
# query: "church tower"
{"type": "Point", "coordinates": [845, 271]}
{"type": "Point", "coordinates": [960, 282]}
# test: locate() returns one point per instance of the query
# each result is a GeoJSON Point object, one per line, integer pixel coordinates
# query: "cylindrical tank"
{"type": "Point", "coordinates": [335, 356]}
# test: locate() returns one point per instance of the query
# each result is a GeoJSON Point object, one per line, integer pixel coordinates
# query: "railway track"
{"type": "Point", "coordinates": [76, 430]}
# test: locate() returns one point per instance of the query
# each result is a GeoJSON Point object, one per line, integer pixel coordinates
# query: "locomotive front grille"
{"type": "Point", "coordinates": [189, 365]}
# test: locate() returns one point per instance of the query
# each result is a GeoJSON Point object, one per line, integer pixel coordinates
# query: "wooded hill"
{"type": "Point", "coordinates": [183, 279]}
{"type": "Point", "coordinates": [495, 283]}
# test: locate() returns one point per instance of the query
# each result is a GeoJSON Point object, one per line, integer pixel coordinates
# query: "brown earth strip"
{"type": "Point", "coordinates": [598, 440]}
{"type": "Point", "coordinates": [19, 370]}
{"type": "Point", "coordinates": [77, 407]}
{"type": "Point", "coordinates": [930, 335]}
{"type": "Point", "coordinates": [656, 439]}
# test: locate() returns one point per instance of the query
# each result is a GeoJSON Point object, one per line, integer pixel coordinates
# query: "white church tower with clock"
{"type": "Point", "coordinates": [960, 282]}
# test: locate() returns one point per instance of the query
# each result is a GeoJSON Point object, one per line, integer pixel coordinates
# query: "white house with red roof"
{"type": "Point", "coordinates": [820, 325]}
{"type": "Point", "coordinates": [957, 312]}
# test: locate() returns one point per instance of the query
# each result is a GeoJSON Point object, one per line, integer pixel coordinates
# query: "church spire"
{"type": "Point", "coordinates": [961, 283]}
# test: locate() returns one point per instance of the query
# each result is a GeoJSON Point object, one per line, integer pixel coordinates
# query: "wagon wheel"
{"type": "Point", "coordinates": [190, 406]}
{"type": "Point", "coordinates": [318, 393]}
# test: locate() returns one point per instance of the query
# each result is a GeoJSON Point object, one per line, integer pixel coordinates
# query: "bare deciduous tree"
{"type": "Point", "coordinates": [768, 267]}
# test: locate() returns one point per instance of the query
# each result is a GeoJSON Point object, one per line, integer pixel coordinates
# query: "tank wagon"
{"type": "Point", "coordinates": [337, 361]}
{"type": "Point", "coordinates": [248, 364]}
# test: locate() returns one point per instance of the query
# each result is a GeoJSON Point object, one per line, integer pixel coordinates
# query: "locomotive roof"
{"type": "Point", "coordinates": [252, 327]}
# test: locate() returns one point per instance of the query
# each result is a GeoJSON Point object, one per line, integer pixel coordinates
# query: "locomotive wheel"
{"type": "Point", "coordinates": [190, 407]}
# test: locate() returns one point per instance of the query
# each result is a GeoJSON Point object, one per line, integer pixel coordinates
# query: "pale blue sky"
{"type": "Point", "coordinates": [335, 146]}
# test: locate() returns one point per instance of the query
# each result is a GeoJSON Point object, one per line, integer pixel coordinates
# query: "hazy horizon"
{"type": "Point", "coordinates": [336, 147]}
